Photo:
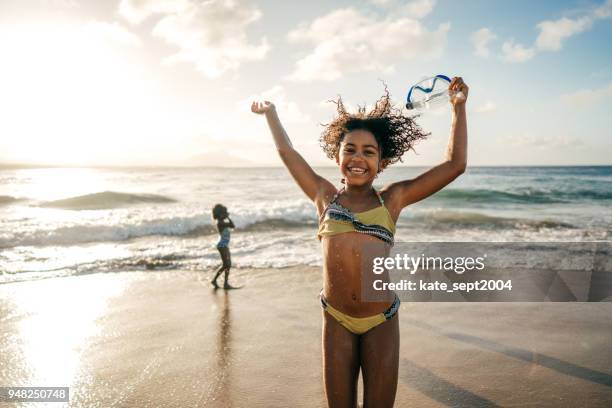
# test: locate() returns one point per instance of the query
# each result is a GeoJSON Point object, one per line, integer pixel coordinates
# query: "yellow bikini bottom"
{"type": "Point", "coordinates": [360, 325]}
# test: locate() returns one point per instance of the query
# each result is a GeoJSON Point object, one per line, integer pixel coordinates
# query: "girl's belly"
{"type": "Point", "coordinates": [348, 277]}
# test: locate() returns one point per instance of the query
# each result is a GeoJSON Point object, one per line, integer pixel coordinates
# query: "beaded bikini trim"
{"type": "Point", "coordinates": [337, 212]}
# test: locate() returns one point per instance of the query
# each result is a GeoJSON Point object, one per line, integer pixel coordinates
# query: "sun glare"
{"type": "Point", "coordinates": [54, 184]}
{"type": "Point", "coordinates": [60, 316]}
{"type": "Point", "coordinates": [71, 92]}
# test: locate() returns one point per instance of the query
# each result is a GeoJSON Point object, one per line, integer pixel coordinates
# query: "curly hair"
{"type": "Point", "coordinates": [219, 211]}
{"type": "Point", "coordinates": [394, 132]}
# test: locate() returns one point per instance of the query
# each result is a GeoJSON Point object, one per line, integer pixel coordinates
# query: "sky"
{"type": "Point", "coordinates": [170, 82]}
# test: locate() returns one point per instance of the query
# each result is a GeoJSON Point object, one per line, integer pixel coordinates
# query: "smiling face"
{"type": "Point", "coordinates": [359, 157]}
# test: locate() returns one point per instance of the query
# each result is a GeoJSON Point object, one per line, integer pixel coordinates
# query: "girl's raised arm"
{"type": "Point", "coordinates": [310, 182]}
{"type": "Point", "coordinates": [407, 192]}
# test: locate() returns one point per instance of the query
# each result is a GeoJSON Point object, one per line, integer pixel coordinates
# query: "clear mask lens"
{"type": "Point", "coordinates": [428, 93]}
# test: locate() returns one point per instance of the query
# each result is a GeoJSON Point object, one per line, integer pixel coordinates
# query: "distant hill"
{"type": "Point", "coordinates": [205, 159]}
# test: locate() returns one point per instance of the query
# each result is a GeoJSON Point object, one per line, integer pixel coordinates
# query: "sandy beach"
{"type": "Point", "coordinates": [151, 339]}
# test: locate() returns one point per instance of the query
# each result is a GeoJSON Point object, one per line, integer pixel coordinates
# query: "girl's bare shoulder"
{"type": "Point", "coordinates": [325, 195]}
{"type": "Point", "coordinates": [392, 201]}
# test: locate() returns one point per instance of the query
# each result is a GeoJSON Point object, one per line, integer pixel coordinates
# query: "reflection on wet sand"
{"type": "Point", "coordinates": [222, 394]}
{"type": "Point", "coordinates": [49, 324]}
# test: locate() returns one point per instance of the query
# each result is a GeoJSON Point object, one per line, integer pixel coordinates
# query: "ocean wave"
{"type": "Point", "coordinates": [279, 223]}
{"type": "Point", "coordinates": [205, 262]}
{"type": "Point", "coordinates": [136, 263]}
{"type": "Point", "coordinates": [445, 218]}
{"type": "Point", "coordinates": [106, 200]}
{"type": "Point", "coordinates": [521, 196]}
{"type": "Point", "coordinates": [494, 196]}
{"type": "Point", "coordinates": [188, 227]}
{"type": "Point", "coordinates": [198, 226]}
{"type": "Point", "coordinates": [82, 234]}
{"type": "Point", "coordinates": [168, 261]}
{"type": "Point", "coordinates": [7, 200]}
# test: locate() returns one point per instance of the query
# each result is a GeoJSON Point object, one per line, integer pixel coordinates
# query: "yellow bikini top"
{"type": "Point", "coordinates": [337, 219]}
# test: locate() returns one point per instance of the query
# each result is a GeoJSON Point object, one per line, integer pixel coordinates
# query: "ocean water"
{"type": "Point", "coordinates": [56, 222]}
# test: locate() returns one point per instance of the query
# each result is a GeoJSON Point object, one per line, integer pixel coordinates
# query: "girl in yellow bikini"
{"type": "Point", "coordinates": [357, 223]}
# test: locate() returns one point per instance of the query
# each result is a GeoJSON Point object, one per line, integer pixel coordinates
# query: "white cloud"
{"type": "Point", "coordinates": [68, 4]}
{"type": "Point", "coordinates": [210, 34]}
{"type": "Point", "coordinates": [553, 32]}
{"type": "Point", "coordinates": [419, 8]}
{"type": "Point", "coordinates": [367, 43]}
{"type": "Point", "coordinates": [415, 8]}
{"type": "Point", "coordinates": [603, 11]}
{"type": "Point", "coordinates": [113, 32]}
{"type": "Point", "coordinates": [513, 52]}
{"type": "Point", "coordinates": [480, 40]}
{"type": "Point", "coordinates": [589, 97]}
{"type": "Point", "coordinates": [136, 11]}
{"type": "Point", "coordinates": [288, 110]}
{"type": "Point", "coordinates": [486, 107]}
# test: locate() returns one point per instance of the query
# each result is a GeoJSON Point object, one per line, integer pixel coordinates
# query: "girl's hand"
{"type": "Point", "coordinates": [458, 91]}
{"type": "Point", "coordinates": [262, 107]}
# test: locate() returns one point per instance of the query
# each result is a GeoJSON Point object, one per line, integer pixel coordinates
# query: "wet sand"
{"type": "Point", "coordinates": [151, 339]}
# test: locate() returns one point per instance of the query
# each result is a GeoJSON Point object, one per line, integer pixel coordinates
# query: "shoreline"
{"type": "Point", "coordinates": [168, 339]}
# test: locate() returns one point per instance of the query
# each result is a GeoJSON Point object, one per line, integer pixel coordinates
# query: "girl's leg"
{"type": "Point", "coordinates": [227, 263]}
{"type": "Point", "coordinates": [222, 252]}
{"type": "Point", "coordinates": [217, 273]}
{"type": "Point", "coordinates": [340, 364]}
{"type": "Point", "coordinates": [225, 284]}
{"type": "Point", "coordinates": [380, 363]}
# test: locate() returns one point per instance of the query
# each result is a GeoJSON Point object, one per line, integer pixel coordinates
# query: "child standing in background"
{"type": "Point", "coordinates": [224, 223]}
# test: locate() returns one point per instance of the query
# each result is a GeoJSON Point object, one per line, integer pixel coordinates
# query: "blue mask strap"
{"type": "Point", "coordinates": [426, 90]}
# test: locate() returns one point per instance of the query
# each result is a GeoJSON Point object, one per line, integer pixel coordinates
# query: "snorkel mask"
{"type": "Point", "coordinates": [428, 92]}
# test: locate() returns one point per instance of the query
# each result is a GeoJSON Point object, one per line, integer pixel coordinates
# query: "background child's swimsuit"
{"type": "Point", "coordinates": [377, 222]}
{"type": "Point", "coordinates": [225, 238]}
